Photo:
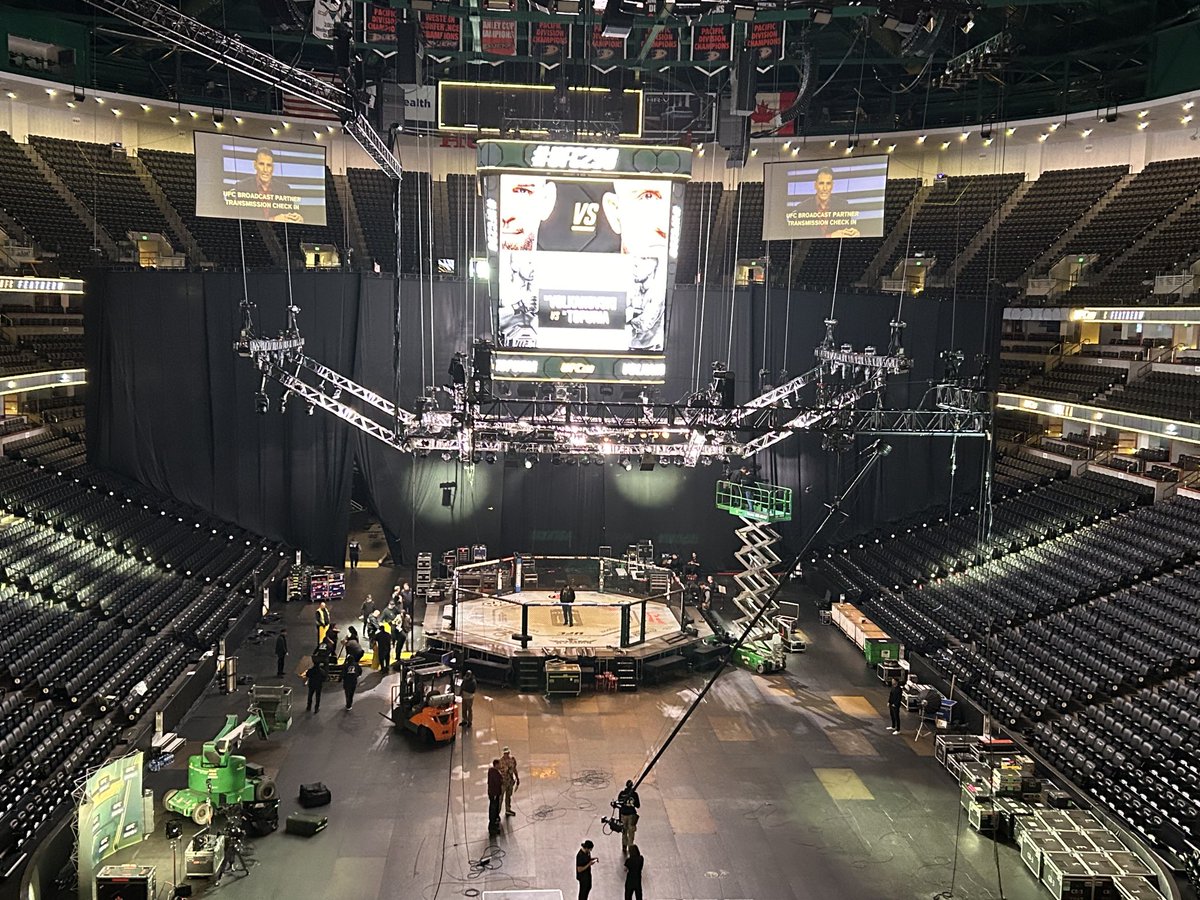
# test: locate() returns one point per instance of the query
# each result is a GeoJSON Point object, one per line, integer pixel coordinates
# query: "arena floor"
{"type": "Point", "coordinates": [784, 786]}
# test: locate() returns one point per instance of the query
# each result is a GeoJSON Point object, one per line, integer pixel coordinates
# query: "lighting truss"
{"type": "Point", "coordinates": [166, 23]}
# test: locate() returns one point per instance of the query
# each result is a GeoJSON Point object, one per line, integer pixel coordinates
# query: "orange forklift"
{"type": "Point", "coordinates": [423, 701]}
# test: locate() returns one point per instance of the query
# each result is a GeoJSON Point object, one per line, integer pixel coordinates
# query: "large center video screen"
{"type": "Point", "coordinates": [583, 262]}
{"type": "Point", "coordinates": [272, 181]}
{"type": "Point", "coordinates": [827, 198]}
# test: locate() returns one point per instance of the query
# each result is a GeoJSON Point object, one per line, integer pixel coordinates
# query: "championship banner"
{"type": "Point", "coordinates": [712, 47]}
{"type": "Point", "coordinates": [441, 32]}
{"type": "Point", "coordinates": [606, 51]}
{"type": "Point", "coordinates": [498, 37]}
{"type": "Point", "coordinates": [665, 46]}
{"type": "Point", "coordinates": [765, 43]}
{"type": "Point", "coordinates": [379, 24]}
{"type": "Point", "coordinates": [768, 107]}
{"type": "Point", "coordinates": [549, 42]}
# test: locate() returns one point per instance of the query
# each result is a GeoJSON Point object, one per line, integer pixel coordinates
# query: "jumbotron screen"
{"type": "Point", "coordinates": [584, 240]}
{"type": "Point", "coordinates": [825, 198]}
{"type": "Point", "coordinates": [273, 181]}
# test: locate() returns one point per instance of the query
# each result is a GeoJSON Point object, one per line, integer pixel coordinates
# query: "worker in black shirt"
{"type": "Point", "coordinates": [633, 873]}
{"type": "Point", "coordinates": [280, 651]}
{"type": "Point", "coordinates": [315, 676]}
{"type": "Point", "coordinates": [566, 597]}
{"type": "Point", "coordinates": [628, 804]}
{"type": "Point", "coordinates": [894, 696]}
{"type": "Point", "coordinates": [583, 869]}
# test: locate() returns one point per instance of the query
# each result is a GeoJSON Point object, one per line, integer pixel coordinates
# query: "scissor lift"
{"type": "Point", "coordinates": [758, 506]}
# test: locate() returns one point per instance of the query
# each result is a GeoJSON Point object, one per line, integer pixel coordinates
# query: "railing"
{"type": "Point", "coordinates": [765, 502]}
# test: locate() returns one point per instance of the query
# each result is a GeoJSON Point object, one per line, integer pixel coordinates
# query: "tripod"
{"type": "Point", "coordinates": [237, 859]}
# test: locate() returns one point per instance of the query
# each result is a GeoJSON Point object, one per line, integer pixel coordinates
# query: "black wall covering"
{"type": "Point", "coordinates": [172, 406]}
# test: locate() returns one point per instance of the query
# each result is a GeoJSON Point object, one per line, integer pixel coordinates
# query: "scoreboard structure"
{"type": "Point", "coordinates": [582, 241]}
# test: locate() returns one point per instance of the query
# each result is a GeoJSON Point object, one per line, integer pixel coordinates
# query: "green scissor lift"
{"type": "Point", "coordinates": [758, 506]}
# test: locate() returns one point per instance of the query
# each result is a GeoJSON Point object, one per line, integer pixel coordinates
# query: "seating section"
{"type": "Point", "coordinates": [465, 226]}
{"type": "Point", "coordinates": [1052, 204]}
{"type": "Point", "coordinates": [745, 240]}
{"type": "Point", "coordinates": [222, 241]}
{"type": "Point", "coordinates": [1075, 382]}
{"type": "Point", "coordinates": [374, 198]}
{"type": "Point", "coordinates": [29, 198]}
{"type": "Point", "coordinates": [1169, 395]}
{"type": "Point", "coordinates": [701, 201]}
{"type": "Point", "coordinates": [1143, 204]}
{"type": "Point", "coordinates": [107, 185]}
{"type": "Point", "coordinates": [953, 213]}
{"type": "Point", "coordinates": [104, 588]}
{"type": "Point", "coordinates": [821, 264]}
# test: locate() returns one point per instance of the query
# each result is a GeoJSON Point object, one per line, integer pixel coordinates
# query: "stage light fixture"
{"type": "Point", "coordinates": [556, 459]}
{"type": "Point", "coordinates": [530, 459]}
{"type": "Point", "coordinates": [968, 23]}
{"type": "Point", "coordinates": [820, 15]}
{"type": "Point", "coordinates": [262, 403]}
{"type": "Point", "coordinates": [489, 458]}
{"type": "Point", "coordinates": [626, 463]}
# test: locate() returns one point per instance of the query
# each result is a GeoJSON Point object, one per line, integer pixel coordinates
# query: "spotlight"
{"type": "Point", "coordinates": [262, 403]}
{"type": "Point", "coordinates": [626, 463]}
{"type": "Point", "coordinates": [476, 457]}
{"type": "Point", "coordinates": [447, 456]}
{"type": "Point", "coordinates": [556, 459]}
{"type": "Point", "coordinates": [968, 23]}
{"type": "Point", "coordinates": [530, 459]}
{"type": "Point", "coordinates": [489, 458]}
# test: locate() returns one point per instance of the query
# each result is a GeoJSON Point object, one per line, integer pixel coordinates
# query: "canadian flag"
{"type": "Point", "coordinates": [767, 110]}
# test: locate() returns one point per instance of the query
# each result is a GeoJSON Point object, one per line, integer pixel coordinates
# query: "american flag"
{"type": "Point", "coordinates": [306, 109]}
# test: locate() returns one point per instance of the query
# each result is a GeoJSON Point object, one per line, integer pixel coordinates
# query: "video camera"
{"type": "Point", "coordinates": [614, 821]}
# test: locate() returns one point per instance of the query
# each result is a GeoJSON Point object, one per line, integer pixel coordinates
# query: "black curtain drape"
{"type": "Point", "coordinates": [172, 407]}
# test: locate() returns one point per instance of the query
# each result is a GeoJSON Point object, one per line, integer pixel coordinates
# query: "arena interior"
{"type": "Point", "coordinates": [788, 412]}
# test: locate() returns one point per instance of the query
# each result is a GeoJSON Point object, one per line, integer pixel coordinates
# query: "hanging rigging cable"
{"type": "Point", "coordinates": [876, 451]}
{"type": "Point", "coordinates": [737, 243]}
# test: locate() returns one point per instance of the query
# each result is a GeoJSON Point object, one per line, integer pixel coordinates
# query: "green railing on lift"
{"type": "Point", "coordinates": [761, 501]}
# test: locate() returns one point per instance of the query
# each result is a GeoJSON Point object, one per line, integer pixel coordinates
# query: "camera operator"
{"type": "Point", "coordinates": [628, 803]}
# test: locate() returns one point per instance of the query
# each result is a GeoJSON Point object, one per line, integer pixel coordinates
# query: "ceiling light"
{"type": "Point", "coordinates": [287, 125]}
{"type": "Point", "coordinates": [238, 119]}
{"type": "Point", "coordinates": [53, 93]}
{"type": "Point", "coordinates": [1086, 132]}
{"type": "Point", "coordinates": [1143, 113]}
{"type": "Point", "coordinates": [1185, 119]}
{"type": "Point", "coordinates": [274, 130]}
{"type": "Point", "coordinates": [945, 144]}
{"type": "Point", "coordinates": [921, 139]}
{"type": "Point", "coordinates": [1142, 126]}
{"type": "Point", "coordinates": [1054, 126]}
{"type": "Point", "coordinates": [787, 145]}
{"type": "Point", "coordinates": [891, 148]}
{"type": "Point", "coordinates": [116, 112]}
{"type": "Point", "coordinates": [875, 143]}
{"type": "Point", "coordinates": [329, 128]}
{"type": "Point", "coordinates": [832, 144]}
{"type": "Point", "coordinates": [795, 151]}
{"type": "Point", "coordinates": [100, 100]}
{"type": "Point", "coordinates": [700, 152]}
{"type": "Point", "coordinates": [1010, 131]}
{"type": "Point", "coordinates": [193, 114]}
{"type": "Point", "coordinates": [174, 119]}
{"type": "Point", "coordinates": [218, 116]}
{"type": "Point", "coordinates": [316, 135]}
{"type": "Point", "coordinates": [987, 142]}
{"type": "Point", "coordinates": [12, 95]}
{"type": "Point", "coordinates": [145, 107]}
{"type": "Point", "coordinates": [964, 135]}
{"type": "Point", "coordinates": [1042, 137]}
{"type": "Point", "coordinates": [754, 151]}
{"type": "Point", "coordinates": [70, 104]}
{"type": "Point", "coordinates": [1189, 104]}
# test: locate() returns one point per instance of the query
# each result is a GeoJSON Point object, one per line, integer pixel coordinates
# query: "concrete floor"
{"type": "Point", "coordinates": [785, 786]}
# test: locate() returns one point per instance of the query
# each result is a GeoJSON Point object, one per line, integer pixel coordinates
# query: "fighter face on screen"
{"type": "Point", "coordinates": [639, 210]}
{"type": "Point", "coordinates": [526, 202]}
{"type": "Point", "coordinates": [264, 168]}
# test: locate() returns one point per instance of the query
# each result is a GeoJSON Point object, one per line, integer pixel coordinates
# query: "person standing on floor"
{"type": "Point", "coordinates": [368, 607]}
{"type": "Point", "coordinates": [512, 780]}
{"type": "Point", "coordinates": [280, 651]}
{"type": "Point", "coordinates": [633, 873]}
{"type": "Point", "coordinates": [467, 687]}
{"type": "Point", "coordinates": [355, 550]}
{"type": "Point", "coordinates": [894, 697]}
{"type": "Point", "coordinates": [583, 869]}
{"type": "Point", "coordinates": [566, 597]}
{"type": "Point", "coordinates": [495, 790]}
{"type": "Point", "coordinates": [628, 804]}
{"type": "Point", "coordinates": [352, 667]}
{"type": "Point", "coordinates": [315, 676]}
{"type": "Point", "coordinates": [406, 600]}
{"type": "Point", "coordinates": [322, 617]}
{"type": "Point", "coordinates": [381, 644]}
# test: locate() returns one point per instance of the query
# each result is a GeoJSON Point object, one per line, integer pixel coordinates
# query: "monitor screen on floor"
{"type": "Point", "coordinates": [824, 198]}
{"type": "Point", "coordinates": [271, 181]}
